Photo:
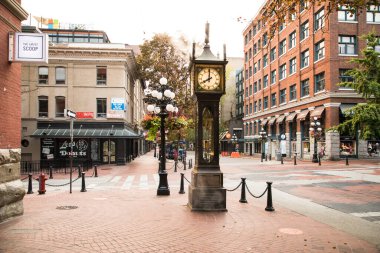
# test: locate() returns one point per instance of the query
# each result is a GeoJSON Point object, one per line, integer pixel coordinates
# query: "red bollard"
{"type": "Point", "coordinates": [41, 180]}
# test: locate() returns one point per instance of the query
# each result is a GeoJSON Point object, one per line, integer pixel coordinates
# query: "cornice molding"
{"type": "Point", "coordinates": [15, 8]}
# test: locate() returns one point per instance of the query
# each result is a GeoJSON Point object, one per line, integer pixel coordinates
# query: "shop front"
{"type": "Point", "coordinates": [111, 144]}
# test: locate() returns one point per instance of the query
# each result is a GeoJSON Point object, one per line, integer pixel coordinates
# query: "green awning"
{"type": "Point", "coordinates": [88, 133]}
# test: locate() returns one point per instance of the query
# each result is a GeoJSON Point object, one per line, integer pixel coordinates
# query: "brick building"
{"type": "Point", "coordinates": [291, 80]}
{"type": "Point", "coordinates": [11, 188]}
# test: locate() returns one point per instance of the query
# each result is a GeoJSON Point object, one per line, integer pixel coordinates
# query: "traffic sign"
{"type": "Point", "coordinates": [70, 114]}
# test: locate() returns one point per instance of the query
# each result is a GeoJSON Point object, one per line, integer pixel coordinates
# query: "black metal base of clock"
{"type": "Point", "coordinates": [163, 186]}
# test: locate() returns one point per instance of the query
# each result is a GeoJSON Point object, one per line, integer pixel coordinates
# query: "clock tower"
{"type": "Point", "coordinates": [207, 74]}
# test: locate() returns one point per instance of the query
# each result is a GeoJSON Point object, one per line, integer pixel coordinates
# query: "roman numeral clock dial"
{"type": "Point", "coordinates": [209, 79]}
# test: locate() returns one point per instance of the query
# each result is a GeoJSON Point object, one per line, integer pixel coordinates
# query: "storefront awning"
{"type": "Point", "coordinates": [281, 119]}
{"type": "Point", "coordinates": [317, 112]}
{"type": "Point", "coordinates": [271, 121]}
{"type": "Point", "coordinates": [264, 122]}
{"type": "Point", "coordinates": [302, 115]}
{"type": "Point", "coordinates": [291, 116]}
{"type": "Point", "coordinates": [89, 133]}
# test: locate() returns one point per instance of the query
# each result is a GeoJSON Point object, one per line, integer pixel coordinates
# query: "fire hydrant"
{"type": "Point", "coordinates": [41, 179]}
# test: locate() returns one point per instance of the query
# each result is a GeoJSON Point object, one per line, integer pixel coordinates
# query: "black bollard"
{"type": "Point", "coordinates": [319, 160]}
{"type": "Point", "coordinates": [181, 189]}
{"type": "Point", "coordinates": [83, 182]}
{"type": "Point", "coordinates": [282, 160]}
{"type": "Point", "coordinates": [30, 191]}
{"type": "Point", "coordinates": [175, 165]}
{"type": "Point", "coordinates": [261, 160]}
{"type": "Point", "coordinates": [266, 158]}
{"type": "Point", "coordinates": [347, 160]}
{"type": "Point", "coordinates": [270, 157]}
{"type": "Point", "coordinates": [50, 172]}
{"type": "Point", "coordinates": [242, 197]}
{"type": "Point", "coordinates": [189, 164]}
{"type": "Point", "coordinates": [184, 163]}
{"type": "Point", "coordinates": [79, 171]}
{"type": "Point", "coordinates": [295, 159]}
{"type": "Point", "coordinates": [269, 198]}
{"type": "Point", "coordinates": [96, 171]}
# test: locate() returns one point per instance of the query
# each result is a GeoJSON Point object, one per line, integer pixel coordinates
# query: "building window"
{"type": "Point", "coordinates": [305, 58]}
{"type": "Point", "coordinates": [101, 75]}
{"type": "Point", "coordinates": [250, 108]}
{"type": "Point", "coordinates": [60, 75]}
{"type": "Point", "coordinates": [246, 56]}
{"type": "Point", "coordinates": [282, 26]}
{"type": "Point", "coordinates": [292, 92]}
{"type": "Point", "coordinates": [101, 107]}
{"type": "Point", "coordinates": [304, 30]}
{"type": "Point", "coordinates": [255, 68]}
{"type": "Point", "coordinates": [246, 92]}
{"type": "Point", "coordinates": [255, 87]}
{"type": "Point", "coordinates": [60, 106]}
{"type": "Point", "coordinates": [377, 47]}
{"type": "Point", "coordinates": [265, 61]}
{"type": "Point", "coordinates": [265, 81]}
{"type": "Point", "coordinates": [272, 54]}
{"type": "Point", "coordinates": [282, 47]}
{"type": "Point", "coordinates": [292, 40]}
{"type": "Point", "coordinates": [259, 104]}
{"type": "Point", "coordinates": [246, 109]}
{"type": "Point", "coordinates": [255, 106]}
{"type": "Point", "coordinates": [273, 99]}
{"type": "Point", "coordinates": [250, 89]}
{"type": "Point", "coordinates": [266, 102]}
{"type": "Point", "coordinates": [43, 106]}
{"type": "Point", "coordinates": [347, 45]}
{"type": "Point", "coordinates": [254, 50]}
{"type": "Point", "coordinates": [305, 88]}
{"type": "Point", "coordinates": [259, 85]}
{"type": "Point", "coordinates": [303, 5]}
{"type": "Point", "coordinates": [265, 39]}
{"type": "Point", "coordinates": [343, 77]}
{"type": "Point", "coordinates": [319, 50]}
{"type": "Point", "coordinates": [282, 96]}
{"type": "Point", "coordinates": [373, 14]}
{"type": "Point", "coordinates": [43, 75]}
{"type": "Point", "coordinates": [272, 76]}
{"type": "Point", "coordinates": [292, 65]}
{"type": "Point", "coordinates": [282, 71]}
{"type": "Point", "coordinates": [319, 19]}
{"type": "Point", "coordinates": [250, 52]}
{"type": "Point", "coordinates": [319, 82]}
{"type": "Point", "coordinates": [250, 71]}
{"type": "Point", "coordinates": [345, 13]}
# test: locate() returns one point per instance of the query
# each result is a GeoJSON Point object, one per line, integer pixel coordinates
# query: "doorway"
{"type": "Point", "coordinates": [109, 151]}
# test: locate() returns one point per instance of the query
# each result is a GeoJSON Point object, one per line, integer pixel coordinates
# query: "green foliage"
{"type": "Point", "coordinates": [366, 81]}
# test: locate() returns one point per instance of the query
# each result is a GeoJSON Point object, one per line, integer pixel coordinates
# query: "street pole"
{"type": "Point", "coordinates": [71, 152]}
{"type": "Point", "coordinates": [163, 187]}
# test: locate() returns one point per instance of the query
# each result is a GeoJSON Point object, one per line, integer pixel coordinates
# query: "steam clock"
{"type": "Point", "coordinates": [207, 73]}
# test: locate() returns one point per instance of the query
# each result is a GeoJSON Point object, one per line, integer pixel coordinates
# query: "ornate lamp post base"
{"type": "Point", "coordinates": [315, 158]}
{"type": "Point", "coordinates": [163, 187]}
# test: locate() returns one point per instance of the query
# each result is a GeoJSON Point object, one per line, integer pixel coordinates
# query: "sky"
{"type": "Point", "coordinates": [132, 22]}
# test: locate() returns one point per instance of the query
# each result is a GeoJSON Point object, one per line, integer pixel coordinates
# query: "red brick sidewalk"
{"type": "Point", "coordinates": [135, 220]}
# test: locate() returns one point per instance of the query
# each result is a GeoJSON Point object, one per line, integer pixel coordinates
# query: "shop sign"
{"type": "Point", "coordinates": [30, 47]}
{"type": "Point", "coordinates": [115, 115]}
{"type": "Point", "coordinates": [85, 115]}
{"type": "Point", "coordinates": [80, 148]}
{"type": "Point", "coordinates": [47, 148]}
{"type": "Point", "coordinates": [117, 104]}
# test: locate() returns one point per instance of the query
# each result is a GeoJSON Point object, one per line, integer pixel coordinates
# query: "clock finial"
{"type": "Point", "coordinates": [207, 33]}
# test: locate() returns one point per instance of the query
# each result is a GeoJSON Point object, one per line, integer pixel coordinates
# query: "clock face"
{"type": "Point", "coordinates": [209, 79]}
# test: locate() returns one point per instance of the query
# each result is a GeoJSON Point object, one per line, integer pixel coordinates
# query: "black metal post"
{"type": "Point", "coordinates": [295, 159]}
{"type": "Point", "coordinates": [175, 165]}
{"type": "Point", "coordinates": [266, 158]}
{"type": "Point", "coordinates": [347, 160]}
{"type": "Point", "coordinates": [30, 191]}
{"type": "Point", "coordinates": [319, 160]}
{"type": "Point", "coordinates": [50, 172]}
{"type": "Point", "coordinates": [242, 196]}
{"type": "Point", "coordinates": [282, 159]}
{"type": "Point", "coordinates": [155, 150]}
{"type": "Point", "coordinates": [182, 187]}
{"type": "Point", "coordinates": [163, 186]}
{"type": "Point", "coordinates": [269, 198]}
{"type": "Point", "coordinates": [83, 182]}
{"type": "Point", "coordinates": [270, 157]}
{"type": "Point", "coordinates": [184, 162]}
{"type": "Point", "coordinates": [96, 171]}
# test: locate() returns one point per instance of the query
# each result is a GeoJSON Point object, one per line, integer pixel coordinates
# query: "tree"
{"type": "Point", "coordinates": [366, 81]}
{"type": "Point", "coordinates": [159, 57]}
{"type": "Point", "coordinates": [276, 12]}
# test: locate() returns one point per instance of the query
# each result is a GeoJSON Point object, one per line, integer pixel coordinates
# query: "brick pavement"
{"type": "Point", "coordinates": [109, 219]}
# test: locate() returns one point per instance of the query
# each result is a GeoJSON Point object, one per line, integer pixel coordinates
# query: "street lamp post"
{"type": "Point", "coordinates": [315, 129]}
{"type": "Point", "coordinates": [263, 135]}
{"type": "Point", "coordinates": [160, 101]}
{"type": "Point", "coordinates": [234, 141]}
